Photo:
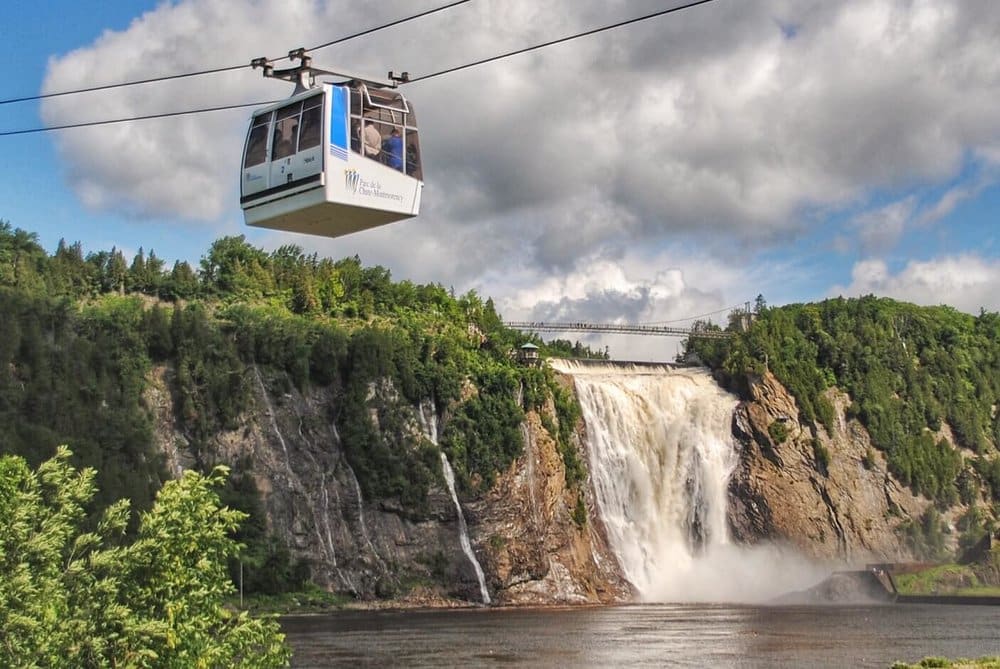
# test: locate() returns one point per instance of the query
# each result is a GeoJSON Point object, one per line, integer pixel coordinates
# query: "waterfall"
{"type": "Point", "coordinates": [463, 537]}
{"type": "Point", "coordinates": [428, 421]}
{"type": "Point", "coordinates": [274, 426]}
{"type": "Point", "coordinates": [660, 451]}
{"type": "Point", "coordinates": [430, 426]}
{"type": "Point", "coordinates": [321, 514]}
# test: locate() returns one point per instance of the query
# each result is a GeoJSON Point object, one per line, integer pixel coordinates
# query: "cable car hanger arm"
{"type": "Point", "coordinates": [304, 74]}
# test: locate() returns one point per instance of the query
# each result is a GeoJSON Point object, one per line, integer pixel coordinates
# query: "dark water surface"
{"type": "Point", "coordinates": [645, 635]}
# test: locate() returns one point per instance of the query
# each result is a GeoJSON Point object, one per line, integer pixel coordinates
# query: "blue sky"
{"type": "Point", "coordinates": [33, 193]}
{"type": "Point", "coordinates": [675, 167]}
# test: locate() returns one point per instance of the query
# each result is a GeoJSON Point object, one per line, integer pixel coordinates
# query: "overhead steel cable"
{"type": "Point", "coordinates": [388, 25]}
{"type": "Point", "coordinates": [104, 87]}
{"type": "Point", "coordinates": [230, 68]}
{"type": "Point", "coordinates": [86, 124]}
{"type": "Point", "coordinates": [411, 80]}
{"type": "Point", "coordinates": [568, 38]}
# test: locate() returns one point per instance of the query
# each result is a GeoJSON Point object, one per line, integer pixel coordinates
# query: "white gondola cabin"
{"type": "Point", "coordinates": [333, 159]}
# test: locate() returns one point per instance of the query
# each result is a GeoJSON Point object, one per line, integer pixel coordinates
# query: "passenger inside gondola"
{"type": "Point", "coordinates": [392, 147]}
{"type": "Point", "coordinates": [412, 161]}
{"type": "Point", "coordinates": [310, 134]}
{"type": "Point", "coordinates": [383, 128]}
{"type": "Point", "coordinates": [355, 137]}
{"type": "Point", "coordinates": [372, 139]}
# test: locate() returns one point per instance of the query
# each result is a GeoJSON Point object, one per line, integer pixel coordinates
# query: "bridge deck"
{"type": "Point", "coordinates": [617, 328]}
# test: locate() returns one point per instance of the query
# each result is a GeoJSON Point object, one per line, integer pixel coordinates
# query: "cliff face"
{"type": "Point", "coordinates": [536, 552]}
{"type": "Point", "coordinates": [843, 505]}
{"type": "Point", "coordinates": [521, 532]}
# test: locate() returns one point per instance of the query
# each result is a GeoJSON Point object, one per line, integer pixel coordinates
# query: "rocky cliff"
{"type": "Point", "coordinates": [536, 552]}
{"type": "Point", "coordinates": [522, 531]}
{"type": "Point", "coordinates": [830, 496]}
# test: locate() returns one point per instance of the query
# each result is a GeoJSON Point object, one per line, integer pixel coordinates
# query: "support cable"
{"type": "Point", "coordinates": [230, 68]}
{"type": "Point", "coordinates": [86, 124]}
{"type": "Point", "coordinates": [568, 38]}
{"type": "Point", "coordinates": [691, 318]}
{"type": "Point", "coordinates": [450, 70]}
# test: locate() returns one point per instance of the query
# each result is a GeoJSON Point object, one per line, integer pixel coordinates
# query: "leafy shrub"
{"type": "Point", "coordinates": [868, 459]}
{"type": "Point", "coordinates": [70, 597]}
{"type": "Point", "coordinates": [778, 431]}
{"type": "Point", "coordinates": [822, 457]}
{"type": "Point", "coordinates": [580, 511]}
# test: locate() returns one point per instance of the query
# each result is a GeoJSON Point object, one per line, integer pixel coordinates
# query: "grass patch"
{"type": "Point", "coordinates": [312, 599]}
{"type": "Point", "coordinates": [946, 579]}
{"type": "Point", "coordinates": [980, 591]}
{"type": "Point", "coordinates": [961, 663]}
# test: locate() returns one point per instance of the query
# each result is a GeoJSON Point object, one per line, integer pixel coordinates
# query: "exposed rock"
{"type": "Point", "coordinates": [844, 510]}
{"type": "Point", "coordinates": [535, 551]}
{"type": "Point", "coordinates": [523, 530]}
{"type": "Point", "coordinates": [314, 504]}
{"type": "Point", "coordinates": [843, 587]}
{"type": "Point", "coordinates": [172, 444]}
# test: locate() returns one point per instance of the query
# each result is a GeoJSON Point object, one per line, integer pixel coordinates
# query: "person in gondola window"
{"type": "Point", "coordinates": [355, 137]}
{"type": "Point", "coordinates": [392, 147]}
{"type": "Point", "coordinates": [372, 140]}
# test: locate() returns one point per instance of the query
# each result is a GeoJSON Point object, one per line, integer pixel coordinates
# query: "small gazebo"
{"type": "Point", "coordinates": [528, 354]}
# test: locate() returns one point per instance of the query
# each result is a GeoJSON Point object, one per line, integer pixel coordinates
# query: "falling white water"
{"type": "Point", "coordinates": [294, 483]}
{"type": "Point", "coordinates": [428, 421]}
{"type": "Point", "coordinates": [274, 425]}
{"type": "Point", "coordinates": [529, 458]}
{"type": "Point", "coordinates": [463, 537]}
{"type": "Point", "coordinates": [429, 425]}
{"type": "Point", "coordinates": [661, 453]}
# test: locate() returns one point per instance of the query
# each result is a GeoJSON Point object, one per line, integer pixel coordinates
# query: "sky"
{"type": "Point", "coordinates": [669, 169]}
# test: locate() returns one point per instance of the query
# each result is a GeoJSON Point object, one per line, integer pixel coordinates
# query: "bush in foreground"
{"type": "Point", "coordinates": [77, 597]}
{"type": "Point", "coordinates": [927, 662]}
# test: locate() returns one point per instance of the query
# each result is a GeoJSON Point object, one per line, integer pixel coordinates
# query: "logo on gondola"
{"type": "Point", "coordinates": [351, 180]}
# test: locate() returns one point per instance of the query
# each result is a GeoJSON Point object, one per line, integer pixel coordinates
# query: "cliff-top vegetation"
{"type": "Point", "coordinates": [924, 381]}
{"type": "Point", "coordinates": [82, 336]}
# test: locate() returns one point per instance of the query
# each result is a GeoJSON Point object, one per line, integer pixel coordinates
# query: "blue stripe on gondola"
{"type": "Point", "coordinates": [338, 122]}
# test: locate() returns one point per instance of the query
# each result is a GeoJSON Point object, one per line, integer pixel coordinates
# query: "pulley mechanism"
{"type": "Point", "coordinates": [304, 74]}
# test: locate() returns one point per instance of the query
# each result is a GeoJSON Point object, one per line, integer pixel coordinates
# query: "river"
{"type": "Point", "coordinates": [645, 635]}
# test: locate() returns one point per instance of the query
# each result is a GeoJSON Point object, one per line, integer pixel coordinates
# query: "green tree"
{"type": "Point", "coordinates": [70, 597]}
{"type": "Point", "coordinates": [180, 284]}
{"type": "Point", "coordinates": [232, 266]}
{"type": "Point", "coordinates": [22, 259]}
{"type": "Point", "coordinates": [69, 272]}
{"type": "Point", "coordinates": [137, 279]}
{"type": "Point", "coordinates": [116, 273]}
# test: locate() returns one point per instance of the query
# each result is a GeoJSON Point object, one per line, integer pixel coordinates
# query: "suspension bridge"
{"type": "Point", "coordinates": [618, 328]}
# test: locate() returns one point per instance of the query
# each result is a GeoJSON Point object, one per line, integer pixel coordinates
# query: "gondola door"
{"type": "Point", "coordinates": [296, 145]}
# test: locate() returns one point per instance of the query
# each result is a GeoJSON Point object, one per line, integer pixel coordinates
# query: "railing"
{"type": "Point", "coordinates": [618, 328]}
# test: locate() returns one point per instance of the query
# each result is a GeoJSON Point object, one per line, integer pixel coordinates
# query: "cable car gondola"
{"type": "Point", "coordinates": [333, 158]}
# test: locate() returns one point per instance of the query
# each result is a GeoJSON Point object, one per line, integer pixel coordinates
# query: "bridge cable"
{"type": "Point", "coordinates": [229, 68]}
{"type": "Point", "coordinates": [691, 318]}
{"type": "Point", "coordinates": [457, 68]}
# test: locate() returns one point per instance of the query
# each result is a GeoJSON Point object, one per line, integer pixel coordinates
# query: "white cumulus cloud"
{"type": "Point", "coordinates": [967, 282]}
{"type": "Point", "coordinates": [727, 128]}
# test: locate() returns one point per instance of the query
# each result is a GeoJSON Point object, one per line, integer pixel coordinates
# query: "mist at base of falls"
{"type": "Point", "coordinates": [661, 453]}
